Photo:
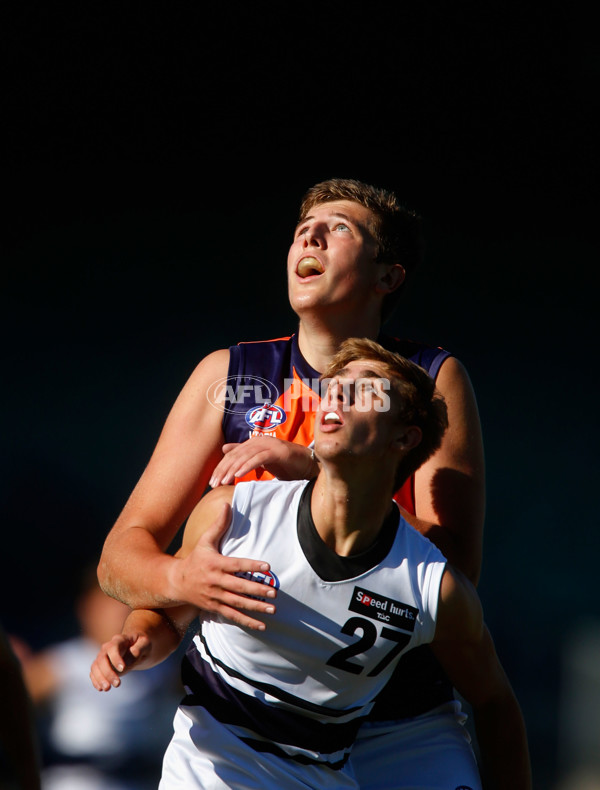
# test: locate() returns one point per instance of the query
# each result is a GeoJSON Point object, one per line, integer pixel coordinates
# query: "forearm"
{"type": "Point", "coordinates": [163, 632]}
{"type": "Point", "coordinates": [147, 638]}
{"type": "Point", "coordinates": [503, 747]}
{"type": "Point", "coordinates": [465, 650]}
{"type": "Point", "coordinates": [135, 570]}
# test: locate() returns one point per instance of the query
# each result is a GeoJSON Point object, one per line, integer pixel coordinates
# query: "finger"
{"type": "Point", "coordinates": [138, 648]}
{"type": "Point", "coordinates": [247, 465]}
{"type": "Point", "coordinates": [97, 680]}
{"type": "Point", "coordinates": [234, 455]}
{"type": "Point", "coordinates": [225, 468]}
{"type": "Point", "coordinates": [239, 618]}
{"type": "Point", "coordinates": [220, 472]}
{"type": "Point", "coordinates": [98, 675]}
{"type": "Point", "coordinates": [227, 448]}
{"type": "Point", "coordinates": [99, 683]}
{"type": "Point", "coordinates": [116, 656]}
{"type": "Point", "coordinates": [244, 603]}
{"type": "Point", "coordinates": [108, 665]}
{"type": "Point", "coordinates": [249, 589]}
{"type": "Point", "coordinates": [236, 574]}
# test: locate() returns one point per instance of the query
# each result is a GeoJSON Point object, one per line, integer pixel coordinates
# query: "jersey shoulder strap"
{"type": "Point", "coordinates": [428, 357]}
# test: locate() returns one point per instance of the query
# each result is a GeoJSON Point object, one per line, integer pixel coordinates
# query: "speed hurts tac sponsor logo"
{"type": "Point", "coordinates": [386, 610]}
{"type": "Point", "coordinates": [265, 418]}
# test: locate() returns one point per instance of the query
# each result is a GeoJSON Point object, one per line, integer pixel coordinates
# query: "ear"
{"type": "Point", "coordinates": [392, 278]}
{"type": "Point", "coordinates": [408, 438]}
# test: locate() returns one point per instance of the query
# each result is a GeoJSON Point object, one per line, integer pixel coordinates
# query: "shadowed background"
{"type": "Point", "coordinates": [153, 167]}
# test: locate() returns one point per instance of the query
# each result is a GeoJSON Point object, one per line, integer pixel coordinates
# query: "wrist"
{"type": "Point", "coordinates": [173, 574]}
{"type": "Point", "coordinates": [159, 585]}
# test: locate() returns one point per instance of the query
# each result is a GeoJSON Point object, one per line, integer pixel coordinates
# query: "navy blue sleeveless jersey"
{"type": "Point", "coordinates": [271, 390]}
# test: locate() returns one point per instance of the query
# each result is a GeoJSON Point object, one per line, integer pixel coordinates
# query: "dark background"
{"type": "Point", "coordinates": [154, 160]}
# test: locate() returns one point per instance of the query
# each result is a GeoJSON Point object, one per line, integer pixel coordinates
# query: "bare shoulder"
{"type": "Point", "coordinates": [455, 385]}
{"type": "Point", "coordinates": [213, 501]}
{"type": "Point", "coordinates": [453, 369]}
{"type": "Point", "coordinates": [209, 372]}
{"type": "Point", "coordinates": [199, 405]}
{"type": "Point", "coordinates": [454, 382]}
{"type": "Point", "coordinates": [209, 509]}
{"type": "Point", "coordinates": [215, 360]}
{"type": "Point", "coordinates": [460, 615]}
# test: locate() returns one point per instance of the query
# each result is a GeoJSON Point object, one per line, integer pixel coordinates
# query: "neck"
{"type": "Point", "coordinates": [349, 509]}
{"type": "Point", "coordinates": [319, 337]}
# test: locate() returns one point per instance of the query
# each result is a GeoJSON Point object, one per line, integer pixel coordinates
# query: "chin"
{"type": "Point", "coordinates": [303, 302]}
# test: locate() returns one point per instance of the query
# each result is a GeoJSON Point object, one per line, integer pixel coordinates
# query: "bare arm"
{"type": "Point", "coordinates": [465, 650]}
{"type": "Point", "coordinates": [223, 591]}
{"type": "Point", "coordinates": [150, 636]}
{"type": "Point", "coordinates": [134, 567]}
{"type": "Point", "coordinates": [450, 487]}
{"type": "Point", "coordinates": [147, 638]}
{"type": "Point", "coordinates": [284, 460]}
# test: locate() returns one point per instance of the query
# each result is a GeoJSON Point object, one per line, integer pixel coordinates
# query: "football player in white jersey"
{"type": "Point", "coordinates": [352, 251]}
{"type": "Point", "coordinates": [277, 707]}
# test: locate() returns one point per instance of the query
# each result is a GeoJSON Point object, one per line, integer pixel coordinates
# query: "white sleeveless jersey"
{"type": "Point", "coordinates": [302, 687]}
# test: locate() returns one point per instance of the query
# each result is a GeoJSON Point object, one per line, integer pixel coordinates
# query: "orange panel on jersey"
{"type": "Point", "coordinates": [299, 402]}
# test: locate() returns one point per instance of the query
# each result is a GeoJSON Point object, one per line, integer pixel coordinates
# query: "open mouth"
{"type": "Point", "coordinates": [309, 267]}
{"type": "Point", "coordinates": [331, 418]}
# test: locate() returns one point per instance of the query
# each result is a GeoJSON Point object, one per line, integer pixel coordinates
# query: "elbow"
{"type": "Point", "coordinates": [103, 575]}
{"type": "Point", "coordinates": [106, 578]}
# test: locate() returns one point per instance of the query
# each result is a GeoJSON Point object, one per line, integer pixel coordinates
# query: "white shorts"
{"type": "Point", "coordinates": [428, 752]}
{"type": "Point", "coordinates": [203, 753]}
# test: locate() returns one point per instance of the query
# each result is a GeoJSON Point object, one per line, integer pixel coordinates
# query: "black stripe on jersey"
{"type": "Point", "coordinates": [272, 748]}
{"type": "Point", "coordinates": [274, 691]}
{"type": "Point", "coordinates": [328, 565]}
{"type": "Point", "coordinates": [235, 708]}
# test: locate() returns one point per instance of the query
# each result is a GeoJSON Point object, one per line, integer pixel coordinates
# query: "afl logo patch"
{"type": "Point", "coordinates": [267, 578]}
{"type": "Point", "coordinates": [265, 418]}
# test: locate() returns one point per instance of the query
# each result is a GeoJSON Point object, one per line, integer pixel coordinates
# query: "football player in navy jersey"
{"type": "Point", "coordinates": [278, 707]}
{"type": "Point", "coordinates": [353, 248]}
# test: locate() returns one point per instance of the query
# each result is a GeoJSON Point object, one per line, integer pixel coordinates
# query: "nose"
{"type": "Point", "coordinates": [336, 394]}
{"type": "Point", "coordinates": [313, 236]}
